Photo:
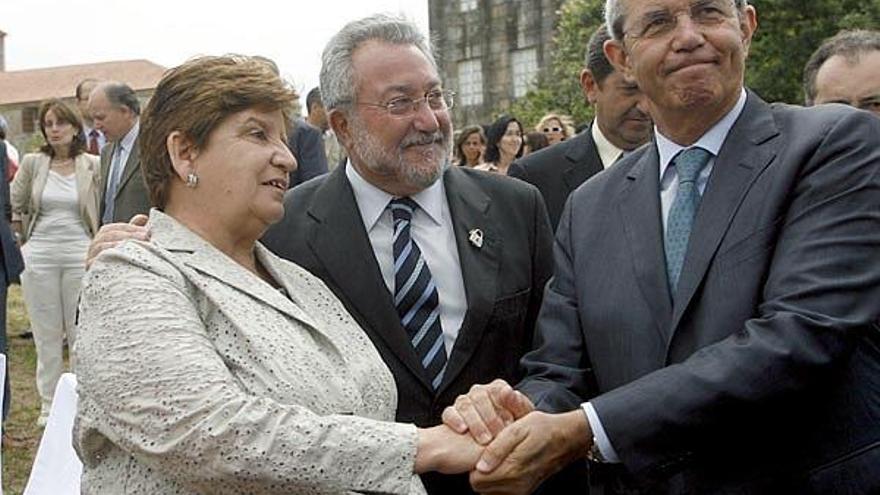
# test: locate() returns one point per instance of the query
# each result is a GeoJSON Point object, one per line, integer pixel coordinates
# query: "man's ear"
{"type": "Point", "coordinates": [183, 152]}
{"type": "Point", "coordinates": [589, 86]}
{"type": "Point", "coordinates": [615, 52]}
{"type": "Point", "coordinates": [338, 121]}
{"type": "Point", "coordinates": [748, 25]}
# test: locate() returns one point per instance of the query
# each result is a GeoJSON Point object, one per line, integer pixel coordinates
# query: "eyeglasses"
{"type": "Point", "coordinates": [405, 106]}
{"type": "Point", "coordinates": [660, 23]}
{"type": "Point", "coordinates": [552, 129]}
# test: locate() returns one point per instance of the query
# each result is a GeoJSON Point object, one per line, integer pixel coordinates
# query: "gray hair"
{"type": "Point", "coordinates": [848, 44]}
{"type": "Point", "coordinates": [615, 16]}
{"type": "Point", "coordinates": [121, 95]}
{"type": "Point", "coordinates": [337, 79]}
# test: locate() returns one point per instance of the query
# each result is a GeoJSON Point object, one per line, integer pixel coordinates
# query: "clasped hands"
{"type": "Point", "coordinates": [521, 447]}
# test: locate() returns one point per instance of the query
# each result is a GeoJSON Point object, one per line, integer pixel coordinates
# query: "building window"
{"type": "Point", "coordinates": [525, 70]}
{"type": "Point", "coordinates": [470, 82]}
{"type": "Point", "coordinates": [29, 116]}
{"type": "Point", "coordinates": [467, 5]}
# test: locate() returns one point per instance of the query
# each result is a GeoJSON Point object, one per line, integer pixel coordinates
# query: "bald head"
{"type": "Point", "coordinates": [114, 109]}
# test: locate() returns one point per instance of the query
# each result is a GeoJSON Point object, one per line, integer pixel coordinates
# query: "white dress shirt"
{"type": "Point", "coordinates": [432, 229]}
{"type": "Point", "coordinates": [711, 141]}
{"type": "Point", "coordinates": [608, 153]}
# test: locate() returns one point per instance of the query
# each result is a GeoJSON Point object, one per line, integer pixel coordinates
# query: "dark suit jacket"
{"type": "Point", "coordinates": [131, 195]}
{"type": "Point", "coordinates": [559, 169]}
{"type": "Point", "coordinates": [504, 280]}
{"type": "Point", "coordinates": [306, 142]}
{"type": "Point", "coordinates": [13, 264]}
{"type": "Point", "coordinates": [764, 376]}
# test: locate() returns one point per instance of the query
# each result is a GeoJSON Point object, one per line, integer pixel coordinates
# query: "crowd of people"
{"type": "Point", "coordinates": [679, 298]}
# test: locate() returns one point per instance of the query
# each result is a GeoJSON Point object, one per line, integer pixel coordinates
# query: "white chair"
{"type": "Point", "coordinates": [57, 468]}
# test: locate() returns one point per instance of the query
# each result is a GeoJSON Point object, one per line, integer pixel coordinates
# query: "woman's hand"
{"type": "Point", "coordinates": [443, 450]}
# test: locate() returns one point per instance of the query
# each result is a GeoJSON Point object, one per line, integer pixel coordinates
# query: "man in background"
{"type": "Point", "coordinates": [318, 118]}
{"type": "Point", "coordinates": [620, 125]}
{"type": "Point", "coordinates": [845, 69]}
{"type": "Point", "coordinates": [115, 110]}
{"type": "Point", "coordinates": [94, 139]}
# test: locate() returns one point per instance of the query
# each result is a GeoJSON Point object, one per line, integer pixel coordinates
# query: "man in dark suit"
{"type": "Point", "coordinates": [712, 324]}
{"type": "Point", "coordinates": [115, 110]}
{"type": "Point", "coordinates": [484, 239]}
{"type": "Point", "coordinates": [307, 145]}
{"type": "Point", "coordinates": [11, 266]}
{"type": "Point", "coordinates": [620, 126]}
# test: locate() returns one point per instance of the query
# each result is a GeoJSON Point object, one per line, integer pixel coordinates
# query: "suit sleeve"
{"type": "Point", "coordinates": [517, 171]}
{"type": "Point", "coordinates": [819, 301]}
{"type": "Point", "coordinates": [542, 259]}
{"type": "Point", "coordinates": [152, 383]}
{"type": "Point", "coordinates": [309, 151]}
{"type": "Point", "coordinates": [558, 374]}
{"type": "Point", "coordinates": [21, 187]}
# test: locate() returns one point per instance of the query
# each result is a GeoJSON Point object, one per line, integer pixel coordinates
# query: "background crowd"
{"type": "Point", "coordinates": [465, 255]}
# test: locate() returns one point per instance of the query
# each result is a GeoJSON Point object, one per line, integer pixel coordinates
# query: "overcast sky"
{"type": "Point", "coordinates": [49, 33]}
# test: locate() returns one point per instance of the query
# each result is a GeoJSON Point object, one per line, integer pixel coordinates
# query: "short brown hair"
{"type": "Point", "coordinates": [64, 113]}
{"type": "Point", "coordinates": [194, 99]}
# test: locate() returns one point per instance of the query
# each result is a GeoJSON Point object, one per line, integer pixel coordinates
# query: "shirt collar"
{"type": "Point", "coordinates": [128, 141]}
{"type": "Point", "coordinates": [711, 141]}
{"type": "Point", "coordinates": [373, 201]}
{"type": "Point", "coordinates": [608, 153]}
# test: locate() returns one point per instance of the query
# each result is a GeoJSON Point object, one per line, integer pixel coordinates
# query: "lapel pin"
{"type": "Point", "coordinates": [476, 237]}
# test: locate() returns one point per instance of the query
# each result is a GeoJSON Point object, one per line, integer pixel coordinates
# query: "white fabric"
{"type": "Point", "coordinates": [608, 153]}
{"type": "Point", "coordinates": [54, 257]}
{"type": "Point", "coordinates": [57, 469]}
{"type": "Point", "coordinates": [433, 231]}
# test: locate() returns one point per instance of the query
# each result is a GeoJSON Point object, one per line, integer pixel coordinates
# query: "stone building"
{"type": "Point", "coordinates": [22, 91]}
{"type": "Point", "coordinates": [491, 51]}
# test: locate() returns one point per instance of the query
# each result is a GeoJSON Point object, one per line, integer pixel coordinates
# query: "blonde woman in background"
{"type": "Point", "coordinates": [54, 214]}
{"type": "Point", "coordinates": [556, 127]}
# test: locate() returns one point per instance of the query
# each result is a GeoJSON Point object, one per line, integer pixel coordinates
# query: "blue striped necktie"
{"type": "Point", "coordinates": [415, 294]}
{"type": "Point", "coordinates": [688, 165]}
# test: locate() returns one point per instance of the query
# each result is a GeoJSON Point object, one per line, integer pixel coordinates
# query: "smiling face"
{"type": "Point", "coordinates": [511, 142]}
{"type": "Point", "coordinates": [243, 171]}
{"type": "Point", "coordinates": [400, 154]}
{"type": "Point", "coordinates": [685, 55]}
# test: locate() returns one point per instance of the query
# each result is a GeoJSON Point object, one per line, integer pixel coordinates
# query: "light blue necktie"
{"type": "Point", "coordinates": [113, 184]}
{"type": "Point", "coordinates": [688, 165]}
{"type": "Point", "coordinates": [415, 294]}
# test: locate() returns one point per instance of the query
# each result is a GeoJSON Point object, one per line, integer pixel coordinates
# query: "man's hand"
{"type": "Point", "coordinates": [486, 410]}
{"type": "Point", "coordinates": [530, 450]}
{"type": "Point", "coordinates": [113, 234]}
{"type": "Point", "coordinates": [443, 450]}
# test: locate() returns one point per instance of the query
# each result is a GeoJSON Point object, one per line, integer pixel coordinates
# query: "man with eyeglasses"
{"type": "Point", "coordinates": [443, 267]}
{"type": "Point", "coordinates": [712, 322]}
{"type": "Point", "coordinates": [620, 126]}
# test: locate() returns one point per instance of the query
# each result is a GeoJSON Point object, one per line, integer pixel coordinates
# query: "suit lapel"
{"type": "Point", "coordinates": [639, 207]}
{"type": "Point", "coordinates": [340, 243]}
{"type": "Point", "coordinates": [469, 207]}
{"type": "Point", "coordinates": [131, 165]}
{"type": "Point", "coordinates": [747, 150]}
{"type": "Point", "coordinates": [584, 160]}
{"type": "Point", "coordinates": [106, 160]}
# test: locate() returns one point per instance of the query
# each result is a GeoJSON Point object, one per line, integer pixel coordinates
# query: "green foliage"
{"type": "Point", "coordinates": [788, 33]}
{"type": "Point", "coordinates": [558, 88]}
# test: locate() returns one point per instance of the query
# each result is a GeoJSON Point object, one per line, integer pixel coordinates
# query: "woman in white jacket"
{"type": "Point", "coordinates": [54, 200]}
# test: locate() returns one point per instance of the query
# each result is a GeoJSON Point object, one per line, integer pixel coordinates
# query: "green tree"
{"type": "Point", "coordinates": [788, 33]}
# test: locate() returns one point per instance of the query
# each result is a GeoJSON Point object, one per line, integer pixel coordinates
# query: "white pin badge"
{"type": "Point", "coordinates": [476, 237]}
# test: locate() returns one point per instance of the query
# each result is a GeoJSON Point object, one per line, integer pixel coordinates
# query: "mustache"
{"type": "Point", "coordinates": [423, 138]}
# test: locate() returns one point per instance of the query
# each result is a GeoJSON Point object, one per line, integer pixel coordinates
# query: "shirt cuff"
{"type": "Point", "coordinates": [599, 435]}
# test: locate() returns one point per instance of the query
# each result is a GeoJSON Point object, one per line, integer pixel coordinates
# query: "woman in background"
{"type": "Point", "coordinates": [504, 145]}
{"type": "Point", "coordinates": [55, 214]}
{"type": "Point", "coordinates": [206, 363]}
{"type": "Point", "coordinates": [556, 127]}
{"type": "Point", "coordinates": [469, 146]}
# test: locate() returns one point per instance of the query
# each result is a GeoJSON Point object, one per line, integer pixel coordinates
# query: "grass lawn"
{"type": "Point", "coordinates": [21, 434]}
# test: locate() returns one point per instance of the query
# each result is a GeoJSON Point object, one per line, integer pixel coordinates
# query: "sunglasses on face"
{"type": "Point", "coordinates": [552, 129]}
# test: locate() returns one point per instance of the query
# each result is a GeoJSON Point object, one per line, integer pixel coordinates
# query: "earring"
{"type": "Point", "coordinates": [192, 180]}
